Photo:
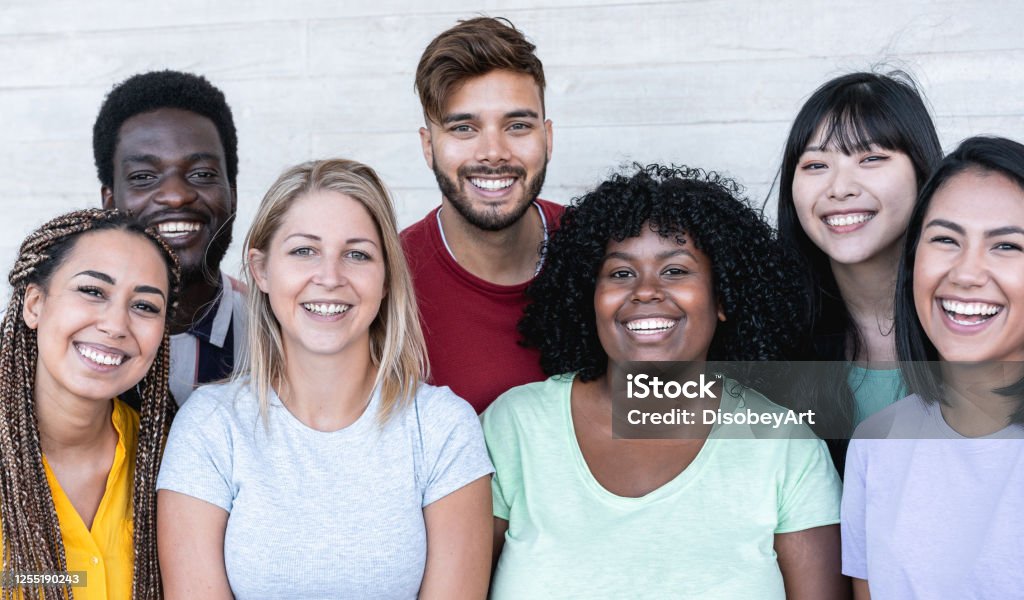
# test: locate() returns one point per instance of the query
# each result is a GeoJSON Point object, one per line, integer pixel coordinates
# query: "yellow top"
{"type": "Point", "coordinates": [105, 552]}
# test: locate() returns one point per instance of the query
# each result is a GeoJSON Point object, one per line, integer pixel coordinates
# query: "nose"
{"type": "Point", "coordinates": [330, 273]}
{"type": "Point", "coordinates": [493, 146]}
{"type": "Point", "coordinates": [647, 289]}
{"type": "Point", "coordinates": [114, 321]}
{"type": "Point", "coordinates": [843, 185]}
{"type": "Point", "coordinates": [970, 269]}
{"type": "Point", "coordinates": [175, 191]}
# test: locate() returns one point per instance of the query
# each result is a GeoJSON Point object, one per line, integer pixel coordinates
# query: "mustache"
{"type": "Point", "coordinates": [464, 172]}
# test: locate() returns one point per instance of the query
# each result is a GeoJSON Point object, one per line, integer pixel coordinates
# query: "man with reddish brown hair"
{"type": "Point", "coordinates": [488, 143]}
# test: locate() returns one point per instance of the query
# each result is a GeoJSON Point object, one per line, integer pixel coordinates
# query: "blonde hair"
{"type": "Point", "coordinates": [397, 348]}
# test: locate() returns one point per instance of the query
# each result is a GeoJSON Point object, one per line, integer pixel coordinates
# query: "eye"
{"type": "Point", "coordinates": [1009, 246]}
{"type": "Point", "coordinates": [147, 307]}
{"type": "Point", "coordinates": [813, 166]}
{"type": "Point", "coordinates": [675, 272]}
{"type": "Point", "coordinates": [620, 273]}
{"type": "Point", "coordinates": [91, 291]}
{"type": "Point", "coordinates": [943, 240]}
{"type": "Point", "coordinates": [205, 174]}
{"type": "Point", "coordinates": [358, 255]}
{"type": "Point", "coordinates": [874, 158]}
{"type": "Point", "coordinates": [461, 128]}
{"type": "Point", "coordinates": [520, 127]}
{"type": "Point", "coordinates": [141, 177]}
{"type": "Point", "coordinates": [302, 251]}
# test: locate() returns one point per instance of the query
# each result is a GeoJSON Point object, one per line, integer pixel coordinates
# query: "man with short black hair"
{"type": "Point", "coordinates": [166, 151]}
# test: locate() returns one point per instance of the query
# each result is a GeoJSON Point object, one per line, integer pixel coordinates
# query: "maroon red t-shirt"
{"type": "Point", "coordinates": [469, 323]}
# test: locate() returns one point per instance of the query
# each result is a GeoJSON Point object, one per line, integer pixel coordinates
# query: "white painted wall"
{"type": "Point", "coordinates": [703, 82]}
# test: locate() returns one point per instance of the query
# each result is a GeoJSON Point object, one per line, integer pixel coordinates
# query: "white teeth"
{"type": "Point", "coordinates": [491, 184]}
{"type": "Point", "coordinates": [326, 310]}
{"type": "Point", "coordinates": [100, 358]}
{"type": "Point", "coordinates": [970, 308]}
{"type": "Point", "coordinates": [655, 325]}
{"type": "Point", "coordinates": [844, 220]}
{"type": "Point", "coordinates": [172, 227]}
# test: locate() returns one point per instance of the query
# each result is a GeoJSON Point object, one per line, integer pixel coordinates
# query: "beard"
{"type": "Point", "coordinates": [206, 270]}
{"type": "Point", "coordinates": [484, 218]}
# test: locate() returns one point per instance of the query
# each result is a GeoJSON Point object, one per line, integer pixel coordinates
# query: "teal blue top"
{"type": "Point", "coordinates": [874, 389]}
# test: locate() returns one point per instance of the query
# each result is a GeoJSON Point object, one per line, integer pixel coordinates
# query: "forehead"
{"type": "Point", "coordinates": [649, 244]}
{"type": "Point", "coordinates": [978, 198]}
{"type": "Point", "coordinates": [127, 257]}
{"type": "Point", "coordinates": [499, 91]}
{"type": "Point", "coordinates": [328, 215]}
{"type": "Point", "coordinates": [167, 134]}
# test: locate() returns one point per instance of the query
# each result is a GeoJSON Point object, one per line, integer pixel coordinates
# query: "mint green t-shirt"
{"type": "Point", "coordinates": [708, 533]}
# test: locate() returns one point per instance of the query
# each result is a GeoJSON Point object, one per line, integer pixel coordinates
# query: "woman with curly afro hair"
{"type": "Point", "coordinates": [658, 264]}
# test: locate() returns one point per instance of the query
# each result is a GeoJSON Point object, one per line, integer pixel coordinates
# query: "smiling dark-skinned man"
{"type": "Point", "coordinates": [166, 150]}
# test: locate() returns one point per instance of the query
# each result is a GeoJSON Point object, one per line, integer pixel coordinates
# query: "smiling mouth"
{"type": "Point", "coordinates": [492, 185]}
{"type": "Point", "coordinates": [650, 326]}
{"type": "Point", "coordinates": [176, 229]}
{"type": "Point", "coordinates": [326, 310]}
{"type": "Point", "coordinates": [969, 314]}
{"type": "Point", "coordinates": [848, 219]}
{"type": "Point", "coordinates": [106, 359]}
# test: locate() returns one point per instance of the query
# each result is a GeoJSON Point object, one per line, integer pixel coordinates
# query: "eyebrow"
{"type": "Point", "coordinates": [316, 238]}
{"type": "Point", "coordinates": [139, 289]}
{"type": "Point", "coordinates": [515, 114]}
{"type": "Point", "coordinates": [1010, 229]}
{"type": "Point", "coordinates": [154, 159]}
{"type": "Point", "coordinates": [660, 255]}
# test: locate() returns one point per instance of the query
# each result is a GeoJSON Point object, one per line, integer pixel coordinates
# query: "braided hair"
{"type": "Point", "coordinates": [31, 531]}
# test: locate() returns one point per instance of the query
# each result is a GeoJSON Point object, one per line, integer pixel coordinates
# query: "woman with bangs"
{"type": "Point", "coordinates": [859, 150]}
{"type": "Point", "coordinates": [326, 468]}
{"type": "Point", "coordinates": [934, 510]}
{"type": "Point", "coordinates": [658, 264]}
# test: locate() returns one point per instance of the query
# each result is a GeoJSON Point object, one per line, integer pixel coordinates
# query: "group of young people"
{"type": "Point", "coordinates": [335, 450]}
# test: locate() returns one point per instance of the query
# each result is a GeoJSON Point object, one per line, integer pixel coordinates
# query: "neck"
{"type": "Point", "coordinates": [505, 257]}
{"type": "Point", "coordinates": [867, 289]}
{"type": "Point", "coordinates": [972, 408]}
{"type": "Point", "coordinates": [197, 296]}
{"type": "Point", "coordinates": [69, 423]}
{"type": "Point", "coordinates": [329, 392]}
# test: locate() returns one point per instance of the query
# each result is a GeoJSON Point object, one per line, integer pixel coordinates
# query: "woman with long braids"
{"type": "Point", "coordinates": [91, 294]}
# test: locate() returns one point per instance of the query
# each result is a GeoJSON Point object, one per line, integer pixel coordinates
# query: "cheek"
{"type": "Point", "coordinates": [803, 200]}
{"type": "Point", "coordinates": [927, 273]}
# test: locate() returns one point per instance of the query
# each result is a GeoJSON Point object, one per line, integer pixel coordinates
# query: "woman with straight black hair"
{"type": "Point", "coordinates": [858, 151]}
{"type": "Point", "coordinates": [934, 511]}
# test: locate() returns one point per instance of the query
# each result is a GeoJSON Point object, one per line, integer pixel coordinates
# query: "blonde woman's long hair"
{"type": "Point", "coordinates": [397, 348]}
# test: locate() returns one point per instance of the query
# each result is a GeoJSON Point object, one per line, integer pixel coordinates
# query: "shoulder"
{"type": "Point", "coordinates": [552, 212]}
{"type": "Point", "coordinates": [764, 418]}
{"type": "Point", "coordinates": [220, 402]}
{"type": "Point", "coordinates": [910, 411]}
{"type": "Point", "coordinates": [539, 401]}
{"type": "Point", "coordinates": [419, 231]}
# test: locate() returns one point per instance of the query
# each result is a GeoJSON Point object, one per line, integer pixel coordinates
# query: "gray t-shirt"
{"type": "Point", "coordinates": [316, 514]}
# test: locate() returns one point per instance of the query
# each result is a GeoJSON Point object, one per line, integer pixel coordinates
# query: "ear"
{"type": "Point", "coordinates": [721, 313]}
{"type": "Point", "coordinates": [32, 307]}
{"type": "Point", "coordinates": [428, 149]}
{"type": "Point", "coordinates": [258, 268]}
{"type": "Point", "coordinates": [234, 200]}
{"type": "Point", "coordinates": [107, 197]}
{"type": "Point", "coordinates": [547, 132]}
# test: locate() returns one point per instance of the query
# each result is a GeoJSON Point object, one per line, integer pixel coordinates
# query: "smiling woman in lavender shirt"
{"type": "Point", "coordinates": [934, 511]}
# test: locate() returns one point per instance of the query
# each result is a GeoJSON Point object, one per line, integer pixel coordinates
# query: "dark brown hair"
{"type": "Point", "coordinates": [31, 531]}
{"type": "Point", "coordinates": [471, 49]}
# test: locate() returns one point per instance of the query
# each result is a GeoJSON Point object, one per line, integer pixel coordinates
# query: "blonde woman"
{"type": "Point", "coordinates": [326, 468]}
